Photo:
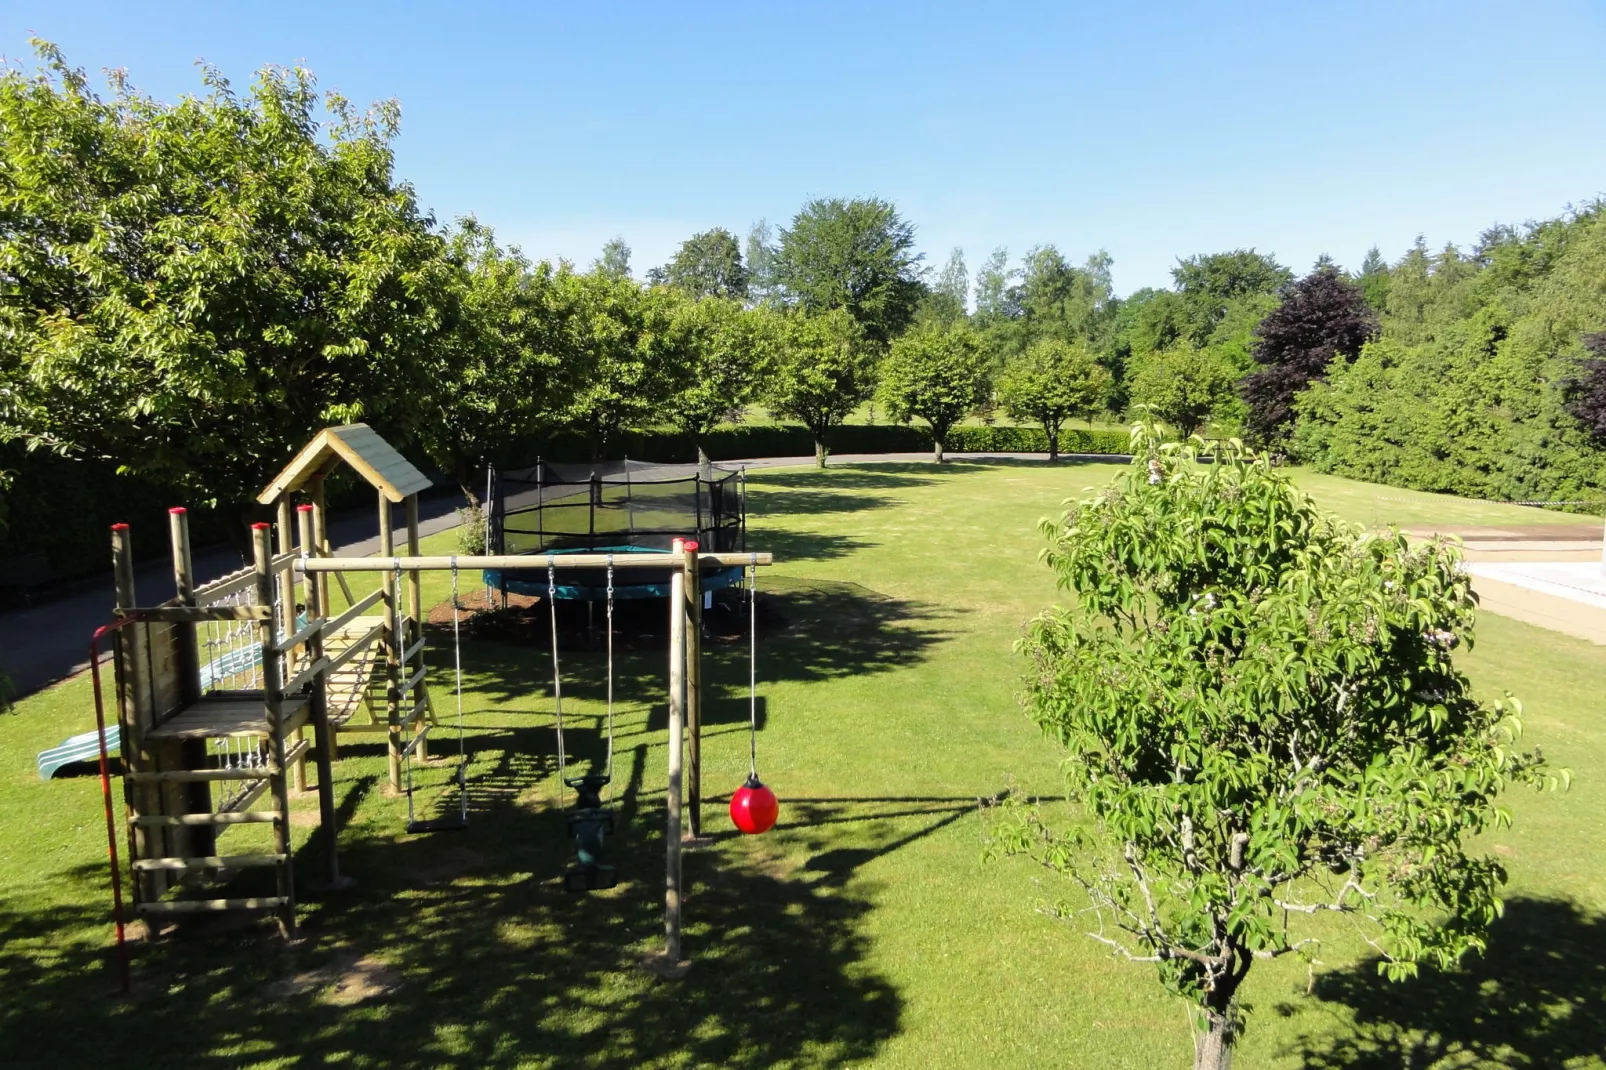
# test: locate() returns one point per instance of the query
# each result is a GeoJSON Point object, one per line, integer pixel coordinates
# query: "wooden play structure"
{"type": "Point", "coordinates": [217, 688]}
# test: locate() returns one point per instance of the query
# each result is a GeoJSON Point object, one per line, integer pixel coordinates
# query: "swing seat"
{"type": "Point", "coordinates": [588, 828]}
{"type": "Point", "coordinates": [589, 878]}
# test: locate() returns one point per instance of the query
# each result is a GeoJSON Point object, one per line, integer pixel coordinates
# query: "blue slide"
{"type": "Point", "coordinates": [80, 748]}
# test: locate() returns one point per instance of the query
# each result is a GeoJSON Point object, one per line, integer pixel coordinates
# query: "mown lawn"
{"type": "Point", "coordinates": [864, 929]}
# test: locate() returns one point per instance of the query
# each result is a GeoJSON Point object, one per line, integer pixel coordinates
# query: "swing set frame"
{"type": "Point", "coordinates": [684, 796]}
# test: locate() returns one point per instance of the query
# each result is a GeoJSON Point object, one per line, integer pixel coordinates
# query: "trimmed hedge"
{"type": "Point", "coordinates": [786, 440]}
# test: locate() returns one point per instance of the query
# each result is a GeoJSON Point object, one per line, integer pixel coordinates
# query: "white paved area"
{"type": "Point", "coordinates": [1578, 581]}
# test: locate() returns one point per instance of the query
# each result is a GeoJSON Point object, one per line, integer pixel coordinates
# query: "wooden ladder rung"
{"type": "Point", "coordinates": [150, 865]}
{"type": "Point", "coordinates": [227, 817]}
{"type": "Point", "coordinates": [192, 776]}
{"type": "Point", "coordinates": [199, 906]}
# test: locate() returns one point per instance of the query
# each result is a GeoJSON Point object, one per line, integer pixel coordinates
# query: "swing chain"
{"type": "Point", "coordinates": [752, 668]}
{"type": "Point", "coordinates": [609, 624]}
{"type": "Point", "coordinates": [557, 677]}
{"type": "Point", "coordinates": [457, 658]}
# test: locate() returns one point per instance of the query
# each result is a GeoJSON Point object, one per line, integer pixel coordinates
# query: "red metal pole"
{"type": "Point", "coordinates": [106, 797]}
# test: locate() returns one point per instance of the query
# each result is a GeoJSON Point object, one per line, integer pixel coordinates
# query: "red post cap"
{"type": "Point", "coordinates": [178, 510]}
{"type": "Point", "coordinates": [262, 526]}
{"type": "Point", "coordinates": [303, 508]}
{"type": "Point", "coordinates": [119, 527]}
{"type": "Point", "coordinates": [691, 546]}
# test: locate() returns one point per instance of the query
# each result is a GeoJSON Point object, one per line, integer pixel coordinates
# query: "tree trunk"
{"type": "Point", "coordinates": [820, 453]}
{"type": "Point", "coordinates": [1212, 1049]}
{"type": "Point", "coordinates": [467, 481]}
{"type": "Point", "coordinates": [936, 449]}
{"type": "Point", "coordinates": [1053, 442]}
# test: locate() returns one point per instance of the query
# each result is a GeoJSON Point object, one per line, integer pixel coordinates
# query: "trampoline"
{"type": "Point", "coordinates": [612, 507]}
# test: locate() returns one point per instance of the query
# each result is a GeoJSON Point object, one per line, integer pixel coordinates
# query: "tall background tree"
{"type": "Point", "coordinates": [617, 366]}
{"type": "Point", "coordinates": [719, 356]}
{"type": "Point", "coordinates": [1324, 316]}
{"type": "Point", "coordinates": [856, 255]}
{"type": "Point", "coordinates": [1051, 382]}
{"type": "Point", "coordinates": [946, 300]}
{"type": "Point", "coordinates": [614, 259]}
{"type": "Point", "coordinates": [934, 373]}
{"type": "Point", "coordinates": [1183, 386]}
{"type": "Point", "coordinates": [193, 289]}
{"type": "Point", "coordinates": [819, 372]}
{"type": "Point", "coordinates": [1226, 686]}
{"type": "Point", "coordinates": [709, 265]}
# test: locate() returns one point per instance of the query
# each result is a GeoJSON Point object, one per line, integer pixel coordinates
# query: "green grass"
{"type": "Point", "coordinates": [864, 929]}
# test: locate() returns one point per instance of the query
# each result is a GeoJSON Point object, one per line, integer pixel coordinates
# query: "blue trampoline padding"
{"type": "Point", "coordinates": [591, 584]}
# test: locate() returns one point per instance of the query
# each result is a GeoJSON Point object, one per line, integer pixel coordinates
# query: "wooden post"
{"type": "Point", "coordinates": [287, 614]}
{"type": "Point", "coordinates": [273, 696]}
{"type": "Point", "coordinates": [694, 692]}
{"type": "Point", "coordinates": [677, 720]}
{"type": "Point", "coordinates": [197, 797]}
{"type": "Point", "coordinates": [387, 549]}
{"type": "Point", "coordinates": [415, 610]}
{"type": "Point", "coordinates": [322, 734]}
{"type": "Point", "coordinates": [321, 548]}
{"type": "Point", "coordinates": [129, 662]}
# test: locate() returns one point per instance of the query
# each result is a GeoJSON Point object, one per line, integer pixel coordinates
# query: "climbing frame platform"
{"type": "Point", "coordinates": [230, 714]}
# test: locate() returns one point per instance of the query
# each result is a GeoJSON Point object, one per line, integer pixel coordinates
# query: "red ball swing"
{"type": "Point", "coordinates": [754, 807]}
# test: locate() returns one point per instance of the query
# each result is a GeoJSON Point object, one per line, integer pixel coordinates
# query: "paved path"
{"type": "Point", "coordinates": [50, 641]}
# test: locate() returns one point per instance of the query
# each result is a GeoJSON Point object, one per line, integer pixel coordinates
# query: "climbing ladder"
{"type": "Point", "coordinates": [202, 755]}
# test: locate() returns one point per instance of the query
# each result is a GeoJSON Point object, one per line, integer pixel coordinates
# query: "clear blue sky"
{"type": "Point", "coordinates": [1150, 130]}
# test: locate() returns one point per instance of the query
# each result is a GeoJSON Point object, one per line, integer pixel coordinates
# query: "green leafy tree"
{"type": "Point", "coordinates": [1183, 386]}
{"type": "Point", "coordinates": [719, 360]}
{"type": "Point", "coordinates": [1262, 719]}
{"type": "Point", "coordinates": [934, 374]}
{"type": "Point", "coordinates": [1050, 383]}
{"type": "Point", "coordinates": [709, 265]}
{"type": "Point", "coordinates": [493, 376]}
{"type": "Point", "coordinates": [761, 285]}
{"type": "Point", "coordinates": [617, 366]}
{"type": "Point", "coordinates": [615, 258]}
{"type": "Point", "coordinates": [192, 290]}
{"type": "Point", "coordinates": [1209, 286]}
{"type": "Point", "coordinates": [1374, 280]}
{"type": "Point", "coordinates": [820, 370]}
{"type": "Point", "coordinates": [945, 301]}
{"type": "Point", "coordinates": [852, 254]}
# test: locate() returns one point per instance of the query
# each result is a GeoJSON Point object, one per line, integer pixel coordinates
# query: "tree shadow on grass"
{"type": "Point", "coordinates": [1537, 998]}
{"type": "Point", "coordinates": [462, 950]}
{"type": "Point", "coordinates": [825, 630]}
{"type": "Point", "coordinates": [887, 476]}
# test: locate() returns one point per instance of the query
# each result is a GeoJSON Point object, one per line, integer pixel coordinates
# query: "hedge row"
{"type": "Point", "coordinates": [62, 508]}
{"type": "Point", "coordinates": [770, 440]}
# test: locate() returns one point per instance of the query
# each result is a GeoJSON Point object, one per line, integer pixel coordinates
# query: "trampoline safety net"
{"type": "Point", "coordinates": [617, 503]}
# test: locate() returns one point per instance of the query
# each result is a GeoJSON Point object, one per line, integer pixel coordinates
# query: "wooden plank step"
{"type": "Point", "coordinates": [152, 865]}
{"type": "Point", "coordinates": [200, 906]}
{"type": "Point", "coordinates": [226, 817]}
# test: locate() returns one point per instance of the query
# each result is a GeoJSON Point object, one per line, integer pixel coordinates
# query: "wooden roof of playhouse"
{"type": "Point", "coordinates": [359, 446]}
